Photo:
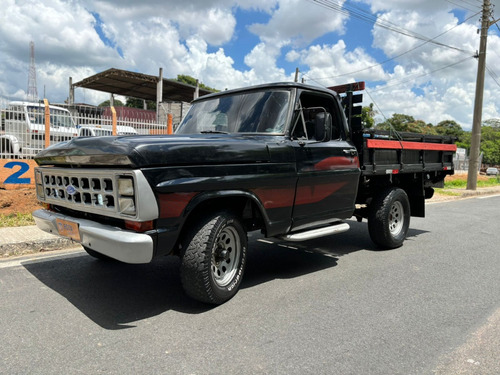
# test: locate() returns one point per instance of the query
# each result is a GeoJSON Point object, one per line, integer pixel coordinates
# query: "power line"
{"type": "Point", "coordinates": [402, 54]}
{"type": "Point", "coordinates": [397, 82]}
{"type": "Point", "coordinates": [350, 10]}
{"type": "Point", "coordinates": [493, 75]}
{"type": "Point", "coordinates": [416, 76]}
{"type": "Point", "coordinates": [464, 7]}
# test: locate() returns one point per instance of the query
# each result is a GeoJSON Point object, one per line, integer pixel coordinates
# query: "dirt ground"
{"type": "Point", "coordinates": [18, 201]}
{"type": "Point", "coordinates": [24, 201]}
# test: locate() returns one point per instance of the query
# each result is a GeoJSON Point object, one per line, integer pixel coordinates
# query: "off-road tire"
{"type": "Point", "coordinates": [213, 258]}
{"type": "Point", "coordinates": [389, 218]}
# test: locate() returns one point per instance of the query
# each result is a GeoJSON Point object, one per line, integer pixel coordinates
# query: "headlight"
{"type": "Point", "coordinates": [127, 205]}
{"type": "Point", "coordinates": [39, 184]}
{"type": "Point", "coordinates": [126, 186]}
{"type": "Point", "coordinates": [38, 177]}
{"type": "Point", "coordinates": [39, 191]}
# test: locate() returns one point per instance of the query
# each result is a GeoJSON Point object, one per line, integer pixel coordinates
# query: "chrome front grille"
{"type": "Point", "coordinates": [84, 190]}
{"type": "Point", "coordinates": [87, 190]}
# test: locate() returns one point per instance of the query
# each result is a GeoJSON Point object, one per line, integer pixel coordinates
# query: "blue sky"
{"type": "Point", "coordinates": [235, 43]}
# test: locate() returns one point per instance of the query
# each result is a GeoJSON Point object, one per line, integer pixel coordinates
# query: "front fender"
{"type": "Point", "coordinates": [213, 196]}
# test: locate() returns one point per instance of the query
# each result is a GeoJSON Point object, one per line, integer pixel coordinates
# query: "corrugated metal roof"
{"type": "Point", "coordinates": [138, 85]}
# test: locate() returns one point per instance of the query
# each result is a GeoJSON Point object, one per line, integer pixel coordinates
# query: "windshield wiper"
{"type": "Point", "coordinates": [213, 132]}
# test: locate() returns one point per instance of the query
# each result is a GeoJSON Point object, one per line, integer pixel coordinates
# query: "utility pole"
{"type": "Point", "coordinates": [478, 103]}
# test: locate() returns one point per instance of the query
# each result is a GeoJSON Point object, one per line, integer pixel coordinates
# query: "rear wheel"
{"type": "Point", "coordinates": [214, 257]}
{"type": "Point", "coordinates": [389, 218]}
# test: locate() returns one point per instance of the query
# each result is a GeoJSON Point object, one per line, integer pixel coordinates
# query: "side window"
{"type": "Point", "coordinates": [309, 109]}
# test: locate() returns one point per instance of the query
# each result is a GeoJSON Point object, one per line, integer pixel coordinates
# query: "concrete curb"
{"type": "Point", "coordinates": [28, 240]}
{"type": "Point", "coordinates": [32, 247]}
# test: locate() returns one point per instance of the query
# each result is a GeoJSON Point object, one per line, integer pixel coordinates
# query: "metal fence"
{"type": "Point", "coordinates": [28, 128]}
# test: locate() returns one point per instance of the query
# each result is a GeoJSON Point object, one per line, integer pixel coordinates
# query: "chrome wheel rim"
{"type": "Point", "coordinates": [226, 256]}
{"type": "Point", "coordinates": [396, 218]}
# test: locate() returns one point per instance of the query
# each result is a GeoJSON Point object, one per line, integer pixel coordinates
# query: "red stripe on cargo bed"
{"type": "Point", "coordinates": [397, 145]}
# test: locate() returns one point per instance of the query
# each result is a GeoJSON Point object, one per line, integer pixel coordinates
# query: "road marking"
{"type": "Point", "coordinates": [489, 196]}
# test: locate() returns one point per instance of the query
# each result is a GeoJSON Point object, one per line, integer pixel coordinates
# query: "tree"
{"type": "Point", "coordinates": [449, 127]}
{"type": "Point", "coordinates": [118, 103]}
{"type": "Point", "coordinates": [367, 116]}
{"type": "Point", "coordinates": [192, 81]}
{"type": "Point", "coordinates": [139, 103]}
{"type": "Point", "coordinates": [406, 123]}
{"type": "Point", "coordinates": [465, 140]}
{"type": "Point", "coordinates": [493, 122]}
{"type": "Point", "coordinates": [398, 122]}
{"type": "Point", "coordinates": [490, 144]}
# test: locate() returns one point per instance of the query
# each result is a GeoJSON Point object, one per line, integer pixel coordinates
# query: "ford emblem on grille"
{"type": "Point", "coordinates": [70, 189]}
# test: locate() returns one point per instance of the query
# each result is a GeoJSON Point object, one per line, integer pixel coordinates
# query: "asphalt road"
{"type": "Point", "coordinates": [328, 306]}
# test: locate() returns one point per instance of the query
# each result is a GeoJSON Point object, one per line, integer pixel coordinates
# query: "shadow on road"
{"type": "Point", "coordinates": [114, 295]}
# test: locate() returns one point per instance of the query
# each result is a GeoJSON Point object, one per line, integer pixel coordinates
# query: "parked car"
{"type": "Point", "coordinates": [492, 171]}
{"type": "Point", "coordinates": [104, 130]}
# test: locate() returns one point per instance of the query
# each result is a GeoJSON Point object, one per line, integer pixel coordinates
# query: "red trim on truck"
{"type": "Point", "coordinates": [397, 145]}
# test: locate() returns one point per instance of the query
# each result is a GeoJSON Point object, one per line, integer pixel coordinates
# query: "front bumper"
{"type": "Point", "coordinates": [117, 243]}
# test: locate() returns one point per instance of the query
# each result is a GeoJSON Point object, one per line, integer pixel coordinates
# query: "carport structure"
{"type": "Point", "coordinates": [139, 85]}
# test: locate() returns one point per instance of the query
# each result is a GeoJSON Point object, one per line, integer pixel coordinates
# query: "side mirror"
{"type": "Point", "coordinates": [323, 126]}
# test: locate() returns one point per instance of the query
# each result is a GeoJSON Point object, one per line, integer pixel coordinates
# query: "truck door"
{"type": "Point", "coordinates": [327, 164]}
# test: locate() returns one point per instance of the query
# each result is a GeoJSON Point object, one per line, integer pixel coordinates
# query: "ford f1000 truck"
{"type": "Point", "coordinates": [288, 159]}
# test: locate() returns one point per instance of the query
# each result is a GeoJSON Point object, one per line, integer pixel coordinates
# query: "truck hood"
{"type": "Point", "coordinates": [148, 151]}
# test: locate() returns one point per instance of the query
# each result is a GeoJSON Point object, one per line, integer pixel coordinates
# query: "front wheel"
{"type": "Point", "coordinates": [389, 218]}
{"type": "Point", "coordinates": [213, 258]}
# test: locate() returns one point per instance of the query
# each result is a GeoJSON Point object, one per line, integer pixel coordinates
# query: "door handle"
{"type": "Point", "coordinates": [350, 152]}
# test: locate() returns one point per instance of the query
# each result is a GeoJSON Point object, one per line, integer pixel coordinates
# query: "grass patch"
{"type": "Point", "coordinates": [447, 192]}
{"type": "Point", "coordinates": [16, 220]}
{"type": "Point", "coordinates": [462, 183]}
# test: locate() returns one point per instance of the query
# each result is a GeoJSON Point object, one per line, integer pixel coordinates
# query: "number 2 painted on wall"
{"type": "Point", "coordinates": [15, 178]}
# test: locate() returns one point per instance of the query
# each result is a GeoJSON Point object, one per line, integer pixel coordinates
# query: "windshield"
{"type": "Point", "coordinates": [58, 117]}
{"type": "Point", "coordinates": [254, 112]}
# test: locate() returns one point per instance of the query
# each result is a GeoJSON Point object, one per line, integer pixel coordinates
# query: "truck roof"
{"type": "Point", "coordinates": [276, 85]}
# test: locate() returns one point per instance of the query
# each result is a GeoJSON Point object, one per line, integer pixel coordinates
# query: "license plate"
{"type": "Point", "coordinates": [69, 229]}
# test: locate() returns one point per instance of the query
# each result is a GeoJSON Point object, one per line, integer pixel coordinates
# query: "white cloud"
{"type": "Point", "coordinates": [197, 37]}
{"type": "Point", "coordinates": [335, 64]}
{"type": "Point", "coordinates": [297, 22]}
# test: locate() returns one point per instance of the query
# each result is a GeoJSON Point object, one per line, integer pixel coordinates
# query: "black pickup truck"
{"type": "Point", "coordinates": [288, 159]}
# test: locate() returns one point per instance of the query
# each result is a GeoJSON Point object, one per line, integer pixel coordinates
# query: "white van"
{"type": "Point", "coordinates": [24, 128]}
{"type": "Point", "coordinates": [104, 130]}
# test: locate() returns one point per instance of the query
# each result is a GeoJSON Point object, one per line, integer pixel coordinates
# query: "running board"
{"type": "Point", "coordinates": [315, 233]}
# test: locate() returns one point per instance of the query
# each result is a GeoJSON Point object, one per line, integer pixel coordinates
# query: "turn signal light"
{"type": "Point", "coordinates": [139, 226]}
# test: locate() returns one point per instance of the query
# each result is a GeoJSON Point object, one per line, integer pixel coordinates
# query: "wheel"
{"type": "Point", "coordinates": [389, 218]}
{"type": "Point", "coordinates": [5, 147]}
{"type": "Point", "coordinates": [97, 255]}
{"type": "Point", "coordinates": [213, 258]}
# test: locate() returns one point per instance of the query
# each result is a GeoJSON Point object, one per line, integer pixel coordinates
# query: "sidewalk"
{"type": "Point", "coordinates": [30, 239]}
